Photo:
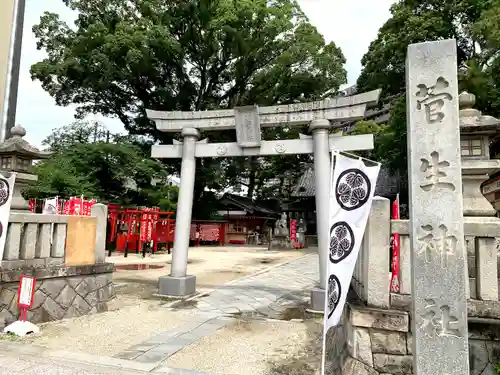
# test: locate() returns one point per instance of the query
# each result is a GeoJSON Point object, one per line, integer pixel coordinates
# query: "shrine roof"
{"type": "Point", "coordinates": [248, 205]}
{"type": "Point", "coordinates": [386, 184]}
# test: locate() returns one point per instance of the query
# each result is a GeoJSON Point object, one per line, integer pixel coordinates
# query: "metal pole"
{"type": "Point", "coordinates": [7, 22]}
{"type": "Point", "coordinates": [15, 68]}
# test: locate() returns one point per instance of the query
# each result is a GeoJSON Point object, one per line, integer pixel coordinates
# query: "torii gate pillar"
{"type": "Point", "coordinates": [179, 283]}
{"type": "Point", "coordinates": [320, 133]}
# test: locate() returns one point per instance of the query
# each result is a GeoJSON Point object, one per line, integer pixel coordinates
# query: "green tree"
{"type": "Point", "coordinates": [78, 132]}
{"type": "Point", "coordinates": [473, 23]}
{"type": "Point", "coordinates": [122, 57]}
{"type": "Point", "coordinates": [115, 172]}
{"type": "Point", "coordinates": [378, 131]}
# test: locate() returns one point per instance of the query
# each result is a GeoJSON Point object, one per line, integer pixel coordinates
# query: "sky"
{"type": "Point", "coordinates": [351, 24]}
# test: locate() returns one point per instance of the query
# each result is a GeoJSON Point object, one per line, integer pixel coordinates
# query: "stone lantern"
{"type": "Point", "coordinates": [476, 132]}
{"type": "Point", "coordinates": [17, 155]}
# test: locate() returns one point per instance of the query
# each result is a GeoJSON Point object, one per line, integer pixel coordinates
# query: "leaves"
{"type": "Point", "coordinates": [473, 23]}
{"type": "Point", "coordinates": [114, 170]}
{"type": "Point", "coordinates": [122, 57]}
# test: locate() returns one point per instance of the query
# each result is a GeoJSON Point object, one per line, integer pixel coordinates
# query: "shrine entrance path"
{"type": "Point", "coordinates": [213, 266]}
{"type": "Point", "coordinates": [246, 322]}
{"type": "Point", "coordinates": [254, 323]}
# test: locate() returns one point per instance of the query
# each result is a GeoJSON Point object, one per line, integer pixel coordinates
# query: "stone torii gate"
{"type": "Point", "coordinates": [247, 121]}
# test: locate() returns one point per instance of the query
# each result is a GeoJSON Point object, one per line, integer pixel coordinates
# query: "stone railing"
{"type": "Point", "coordinates": [38, 240]}
{"type": "Point", "coordinates": [35, 240]}
{"type": "Point", "coordinates": [371, 277]}
{"type": "Point", "coordinates": [482, 257]}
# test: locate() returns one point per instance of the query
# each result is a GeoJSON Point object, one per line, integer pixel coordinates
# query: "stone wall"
{"type": "Point", "coordinates": [379, 341]}
{"type": "Point", "coordinates": [484, 348]}
{"type": "Point", "coordinates": [61, 292]}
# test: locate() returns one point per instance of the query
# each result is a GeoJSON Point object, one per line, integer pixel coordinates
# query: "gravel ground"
{"type": "Point", "coordinates": [246, 348]}
{"type": "Point", "coordinates": [109, 333]}
{"type": "Point", "coordinates": [256, 348]}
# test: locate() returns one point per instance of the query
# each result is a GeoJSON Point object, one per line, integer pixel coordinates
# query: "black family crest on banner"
{"type": "Point", "coordinates": [334, 292]}
{"type": "Point", "coordinates": [6, 190]}
{"type": "Point", "coordinates": [352, 189]}
{"type": "Point", "coordinates": [341, 241]}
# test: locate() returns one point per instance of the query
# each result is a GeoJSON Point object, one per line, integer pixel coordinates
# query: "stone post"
{"type": "Point", "coordinates": [438, 256]}
{"type": "Point", "coordinates": [377, 238]}
{"type": "Point", "coordinates": [487, 271]}
{"type": "Point", "coordinates": [322, 180]}
{"type": "Point", "coordinates": [178, 283]}
{"type": "Point", "coordinates": [100, 212]}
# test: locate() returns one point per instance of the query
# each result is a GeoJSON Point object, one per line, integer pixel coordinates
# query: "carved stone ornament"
{"type": "Point", "coordinates": [221, 150]}
{"type": "Point", "coordinates": [280, 148]}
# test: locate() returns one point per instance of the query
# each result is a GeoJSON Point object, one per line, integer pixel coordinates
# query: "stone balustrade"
{"type": "Point", "coordinates": [39, 240]}
{"type": "Point", "coordinates": [66, 258]}
{"type": "Point", "coordinates": [482, 257]}
{"type": "Point", "coordinates": [35, 240]}
{"type": "Point", "coordinates": [375, 334]}
{"type": "Point", "coordinates": [371, 276]}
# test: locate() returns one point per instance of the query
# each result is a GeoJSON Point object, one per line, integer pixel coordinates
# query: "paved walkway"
{"type": "Point", "coordinates": [258, 294]}
{"type": "Point", "coordinates": [24, 359]}
{"type": "Point", "coordinates": [263, 295]}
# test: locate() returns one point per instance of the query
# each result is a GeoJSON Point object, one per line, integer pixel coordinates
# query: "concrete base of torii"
{"type": "Point", "coordinates": [317, 300]}
{"type": "Point", "coordinates": [177, 286]}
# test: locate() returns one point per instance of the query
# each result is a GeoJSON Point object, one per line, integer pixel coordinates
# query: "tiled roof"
{"type": "Point", "coordinates": [305, 185]}
{"type": "Point", "coordinates": [386, 184]}
{"type": "Point", "coordinates": [247, 204]}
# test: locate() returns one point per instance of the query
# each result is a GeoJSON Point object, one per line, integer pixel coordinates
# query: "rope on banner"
{"type": "Point", "coordinates": [354, 156]}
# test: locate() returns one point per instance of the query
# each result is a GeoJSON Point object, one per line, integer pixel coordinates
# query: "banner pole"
{"type": "Point", "coordinates": [325, 308]}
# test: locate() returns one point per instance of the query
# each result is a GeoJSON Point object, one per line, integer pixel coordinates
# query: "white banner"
{"type": "Point", "coordinates": [6, 189]}
{"type": "Point", "coordinates": [351, 195]}
{"type": "Point", "coordinates": [50, 207]}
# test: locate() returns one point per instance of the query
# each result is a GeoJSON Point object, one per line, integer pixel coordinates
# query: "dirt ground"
{"type": "Point", "coordinates": [212, 266]}
{"type": "Point", "coordinates": [270, 348]}
{"type": "Point", "coordinates": [136, 315]}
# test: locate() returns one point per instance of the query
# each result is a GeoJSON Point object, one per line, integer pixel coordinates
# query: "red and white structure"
{"type": "Point", "coordinates": [395, 261]}
{"type": "Point", "coordinates": [25, 299]}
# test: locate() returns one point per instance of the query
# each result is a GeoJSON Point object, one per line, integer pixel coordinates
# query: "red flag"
{"type": "Point", "coordinates": [293, 230]}
{"type": "Point", "coordinates": [67, 207]}
{"type": "Point", "coordinates": [395, 278]}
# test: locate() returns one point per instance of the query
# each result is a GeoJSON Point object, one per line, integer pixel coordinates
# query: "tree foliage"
{"type": "Point", "coordinates": [379, 133]}
{"type": "Point", "coordinates": [473, 23]}
{"type": "Point", "coordinates": [109, 171]}
{"type": "Point", "coordinates": [122, 57]}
